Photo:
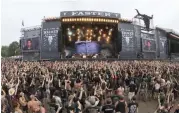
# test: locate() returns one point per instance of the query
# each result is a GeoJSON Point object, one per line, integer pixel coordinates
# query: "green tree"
{"type": "Point", "coordinates": [14, 49]}
{"type": "Point", "coordinates": [4, 51]}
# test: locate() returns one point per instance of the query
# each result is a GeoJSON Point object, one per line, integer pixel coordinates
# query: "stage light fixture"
{"type": "Point", "coordinates": [78, 19]}
{"type": "Point", "coordinates": [99, 38]}
{"type": "Point", "coordinates": [104, 35]}
{"type": "Point", "coordinates": [69, 38]}
{"type": "Point", "coordinates": [70, 33]}
{"type": "Point", "coordinates": [84, 56]}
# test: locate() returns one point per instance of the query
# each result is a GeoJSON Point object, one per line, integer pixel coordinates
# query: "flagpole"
{"type": "Point", "coordinates": [22, 37]}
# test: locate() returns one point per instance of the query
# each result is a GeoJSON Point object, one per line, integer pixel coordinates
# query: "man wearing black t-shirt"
{"type": "Point", "coordinates": [108, 108]}
{"type": "Point", "coordinates": [133, 106]}
{"type": "Point", "coordinates": [121, 105]}
{"type": "Point", "coordinates": [132, 89]}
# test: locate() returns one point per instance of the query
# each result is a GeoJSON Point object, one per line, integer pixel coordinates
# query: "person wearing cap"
{"type": "Point", "coordinates": [133, 106]}
{"type": "Point", "coordinates": [108, 107]}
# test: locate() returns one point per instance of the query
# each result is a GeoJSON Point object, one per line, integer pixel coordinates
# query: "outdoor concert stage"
{"type": "Point", "coordinates": [95, 35]}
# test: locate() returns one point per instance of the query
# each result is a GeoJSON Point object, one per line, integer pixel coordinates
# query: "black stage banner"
{"type": "Point", "coordinates": [90, 14]}
{"type": "Point", "coordinates": [49, 41]}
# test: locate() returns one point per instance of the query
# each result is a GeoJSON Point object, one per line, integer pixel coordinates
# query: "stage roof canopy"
{"type": "Point", "coordinates": [171, 32]}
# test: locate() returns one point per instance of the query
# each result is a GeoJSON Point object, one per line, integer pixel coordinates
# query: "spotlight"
{"type": "Point", "coordinates": [78, 19]}
{"type": "Point", "coordinates": [69, 33]}
{"type": "Point", "coordinates": [95, 56]}
{"type": "Point", "coordinates": [69, 38]}
{"type": "Point", "coordinates": [104, 35]}
{"type": "Point", "coordinates": [99, 38]}
{"type": "Point", "coordinates": [84, 56]}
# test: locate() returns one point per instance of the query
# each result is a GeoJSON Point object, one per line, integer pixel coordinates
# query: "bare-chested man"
{"type": "Point", "coordinates": [35, 106]}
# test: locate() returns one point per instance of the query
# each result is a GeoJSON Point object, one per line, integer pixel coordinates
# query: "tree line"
{"type": "Point", "coordinates": [12, 49]}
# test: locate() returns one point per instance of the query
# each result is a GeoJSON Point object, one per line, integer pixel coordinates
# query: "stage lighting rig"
{"type": "Point", "coordinates": [104, 20]}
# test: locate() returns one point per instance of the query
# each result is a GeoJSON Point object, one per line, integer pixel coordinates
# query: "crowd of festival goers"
{"type": "Point", "coordinates": [88, 86]}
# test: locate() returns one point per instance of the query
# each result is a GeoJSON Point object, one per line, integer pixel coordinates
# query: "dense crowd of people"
{"type": "Point", "coordinates": [88, 86]}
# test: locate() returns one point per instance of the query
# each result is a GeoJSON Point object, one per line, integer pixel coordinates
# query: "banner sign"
{"type": "Point", "coordinates": [127, 37]}
{"type": "Point", "coordinates": [49, 41]}
{"type": "Point", "coordinates": [89, 13]}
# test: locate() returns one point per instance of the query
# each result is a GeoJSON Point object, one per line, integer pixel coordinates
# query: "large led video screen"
{"type": "Point", "coordinates": [30, 44]}
{"type": "Point", "coordinates": [90, 39]}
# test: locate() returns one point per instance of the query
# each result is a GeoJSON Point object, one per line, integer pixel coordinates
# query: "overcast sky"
{"type": "Point", "coordinates": [166, 12]}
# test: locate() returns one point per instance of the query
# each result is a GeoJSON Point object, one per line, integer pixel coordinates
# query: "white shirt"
{"type": "Point", "coordinates": [157, 86]}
